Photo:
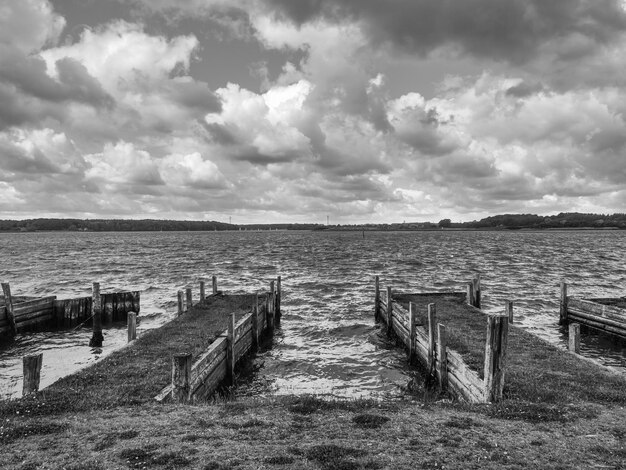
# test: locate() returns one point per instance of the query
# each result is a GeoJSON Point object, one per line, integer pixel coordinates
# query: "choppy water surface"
{"type": "Point", "coordinates": [328, 343]}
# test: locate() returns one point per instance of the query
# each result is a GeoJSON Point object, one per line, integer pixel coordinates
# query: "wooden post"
{"type": "Point", "coordinates": [508, 310]}
{"type": "Point", "coordinates": [442, 356]}
{"type": "Point", "coordinates": [432, 327]}
{"type": "Point", "coordinates": [412, 319]}
{"type": "Point", "coordinates": [273, 300]}
{"type": "Point", "coordinates": [563, 309]}
{"type": "Point", "coordinates": [260, 325]}
{"type": "Point", "coordinates": [181, 372]}
{"type": "Point", "coordinates": [202, 293]}
{"type": "Point", "coordinates": [389, 311]}
{"type": "Point", "coordinates": [574, 338]}
{"type": "Point", "coordinates": [32, 373]}
{"type": "Point", "coordinates": [96, 311]}
{"type": "Point", "coordinates": [376, 299]}
{"type": "Point", "coordinates": [476, 289]}
{"type": "Point", "coordinates": [132, 326]}
{"type": "Point", "coordinates": [269, 316]}
{"type": "Point", "coordinates": [278, 298]}
{"type": "Point", "coordinates": [495, 357]}
{"type": "Point", "coordinates": [181, 308]}
{"type": "Point", "coordinates": [255, 327]}
{"type": "Point", "coordinates": [189, 302]}
{"type": "Point", "coordinates": [230, 351]}
{"type": "Point", "coordinates": [8, 302]}
{"type": "Point", "coordinates": [214, 282]}
{"type": "Point", "coordinates": [470, 293]}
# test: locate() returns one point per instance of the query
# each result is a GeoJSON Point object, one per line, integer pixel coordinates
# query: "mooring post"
{"type": "Point", "coordinates": [508, 310]}
{"type": "Point", "coordinates": [412, 319]}
{"type": "Point", "coordinates": [202, 293]}
{"type": "Point", "coordinates": [32, 373]}
{"type": "Point", "coordinates": [269, 314]}
{"type": "Point", "coordinates": [230, 351]}
{"type": "Point", "coordinates": [563, 304]}
{"type": "Point", "coordinates": [96, 310]}
{"type": "Point", "coordinates": [442, 356]}
{"type": "Point", "coordinates": [8, 303]}
{"type": "Point", "coordinates": [273, 300]}
{"type": "Point", "coordinates": [495, 357]}
{"type": "Point", "coordinates": [432, 331]}
{"type": "Point", "coordinates": [389, 312]}
{"type": "Point", "coordinates": [214, 283]}
{"type": "Point", "coordinates": [574, 337]}
{"type": "Point", "coordinates": [181, 308]}
{"type": "Point", "coordinates": [476, 289]}
{"type": "Point", "coordinates": [255, 327]}
{"type": "Point", "coordinates": [278, 298]}
{"type": "Point", "coordinates": [470, 293]}
{"type": "Point", "coordinates": [259, 318]}
{"type": "Point", "coordinates": [181, 372]}
{"type": "Point", "coordinates": [189, 302]}
{"type": "Point", "coordinates": [132, 326]}
{"type": "Point", "coordinates": [376, 299]}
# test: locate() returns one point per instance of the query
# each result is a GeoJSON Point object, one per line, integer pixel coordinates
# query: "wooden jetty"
{"type": "Point", "coordinates": [19, 314]}
{"type": "Point", "coordinates": [604, 314]}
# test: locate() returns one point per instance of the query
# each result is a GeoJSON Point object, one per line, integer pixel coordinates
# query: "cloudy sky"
{"type": "Point", "coordinates": [292, 110]}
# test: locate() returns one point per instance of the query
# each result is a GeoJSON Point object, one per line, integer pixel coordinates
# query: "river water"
{"type": "Point", "coordinates": [328, 342]}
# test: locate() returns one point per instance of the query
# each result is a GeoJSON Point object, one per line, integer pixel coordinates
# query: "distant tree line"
{"type": "Point", "coordinates": [562, 220]}
{"type": "Point", "coordinates": [111, 225]}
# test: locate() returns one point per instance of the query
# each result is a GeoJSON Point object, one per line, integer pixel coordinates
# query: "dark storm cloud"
{"type": "Point", "coordinates": [509, 30]}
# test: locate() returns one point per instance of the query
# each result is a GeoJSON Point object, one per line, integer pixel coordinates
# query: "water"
{"type": "Point", "coordinates": [328, 343]}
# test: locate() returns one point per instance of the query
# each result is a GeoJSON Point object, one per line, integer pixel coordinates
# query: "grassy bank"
{"type": "Point", "coordinates": [559, 412]}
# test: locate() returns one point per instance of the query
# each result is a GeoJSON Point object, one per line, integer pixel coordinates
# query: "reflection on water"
{"type": "Point", "coordinates": [328, 342]}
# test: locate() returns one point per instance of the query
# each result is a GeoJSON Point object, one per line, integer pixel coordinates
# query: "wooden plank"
{"type": "Point", "coordinates": [563, 304]}
{"type": "Point", "coordinates": [605, 311]}
{"type": "Point", "coordinates": [230, 351]}
{"type": "Point", "coordinates": [462, 390]}
{"type": "Point", "coordinates": [442, 361]}
{"type": "Point", "coordinates": [214, 379]}
{"type": "Point", "coordinates": [49, 312]}
{"type": "Point", "coordinates": [432, 326]}
{"type": "Point", "coordinates": [32, 373]}
{"type": "Point", "coordinates": [243, 345]}
{"type": "Point", "coordinates": [137, 302]}
{"type": "Point", "coordinates": [598, 325]}
{"type": "Point", "coordinates": [596, 318]}
{"type": "Point", "coordinates": [574, 338]}
{"type": "Point", "coordinates": [243, 324]}
{"type": "Point", "coordinates": [97, 337]}
{"type": "Point", "coordinates": [35, 322]}
{"type": "Point", "coordinates": [389, 310]}
{"type": "Point", "coordinates": [376, 298]}
{"type": "Point", "coordinates": [412, 320]}
{"type": "Point", "coordinates": [33, 305]}
{"type": "Point", "coordinates": [457, 365]}
{"type": "Point", "coordinates": [181, 370]}
{"type": "Point", "coordinates": [209, 366]}
{"type": "Point", "coordinates": [216, 348]}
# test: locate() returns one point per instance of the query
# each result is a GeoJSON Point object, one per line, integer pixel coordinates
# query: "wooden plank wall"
{"type": "Point", "coordinates": [33, 313]}
{"type": "Point", "coordinates": [608, 318]}
{"type": "Point", "coordinates": [461, 379]}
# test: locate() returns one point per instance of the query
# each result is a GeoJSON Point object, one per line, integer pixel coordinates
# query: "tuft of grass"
{"type": "Point", "coordinates": [460, 422]}
{"type": "Point", "coordinates": [330, 456]}
{"type": "Point", "coordinates": [309, 404]}
{"type": "Point", "coordinates": [369, 421]}
{"type": "Point", "coordinates": [279, 460]}
{"type": "Point", "coordinates": [9, 433]}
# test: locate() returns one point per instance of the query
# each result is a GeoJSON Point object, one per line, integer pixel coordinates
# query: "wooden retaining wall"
{"type": "Point", "coordinates": [197, 381]}
{"type": "Point", "coordinates": [597, 313]}
{"type": "Point", "coordinates": [19, 314]}
{"type": "Point", "coordinates": [428, 345]}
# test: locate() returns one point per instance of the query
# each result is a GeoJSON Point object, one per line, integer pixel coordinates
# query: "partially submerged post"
{"type": "Point", "coordinates": [470, 293]}
{"type": "Point", "coordinates": [412, 319]}
{"type": "Point", "coordinates": [477, 291]}
{"type": "Point", "coordinates": [495, 357]}
{"type": "Point", "coordinates": [132, 326]}
{"type": "Point", "coordinates": [432, 326]}
{"type": "Point", "coordinates": [32, 373]}
{"type": "Point", "coordinates": [214, 283]}
{"type": "Point", "coordinates": [508, 310]}
{"type": "Point", "coordinates": [181, 372]}
{"type": "Point", "coordinates": [96, 310]}
{"type": "Point", "coordinates": [389, 311]}
{"type": "Point", "coordinates": [278, 298]}
{"type": "Point", "coordinates": [202, 293]}
{"type": "Point", "coordinates": [273, 300]}
{"type": "Point", "coordinates": [189, 302]}
{"type": "Point", "coordinates": [563, 304]}
{"type": "Point", "coordinates": [442, 356]}
{"type": "Point", "coordinates": [8, 301]}
{"type": "Point", "coordinates": [230, 351]}
{"type": "Point", "coordinates": [574, 337]}
{"type": "Point", "coordinates": [180, 303]}
{"type": "Point", "coordinates": [376, 299]}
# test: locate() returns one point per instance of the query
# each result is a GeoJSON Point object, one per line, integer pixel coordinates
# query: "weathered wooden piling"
{"type": "Point", "coordinates": [574, 338]}
{"type": "Point", "coordinates": [442, 356]}
{"type": "Point", "coordinates": [188, 299]}
{"type": "Point", "coordinates": [376, 298]}
{"type": "Point", "coordinates": [259, 320]}
{"type": "Point", "coordinates": [214, 284]}
{"type": "Point", "coordinates": [273, 301]}
{"type": "Point", "coordinates": [230, 351]}
{"type": "Point", "coordinates": [97, 337]}
{"type": "Point", "coordinates": [470, 293]}
{"type": "Point", "coordinates": [32, 373]}
{"type": "Point", "coordinates": [477, 291]}
{"type": "Point", "coordinates": [278, 298]}
{"type": "Point", "coordinates": [508, 310]}
{"type": "Point", "coordinates": [495, 357]}
{"type": "Point", "coordinates": [132, 326]}
{"type": "Point", "coordinates": [255, 326]}
{"type": "Point", "coordinates": [8, 303]}
{"type": "Point", "coordinates": [389, 312]}
{"type": "Point", "coordinates": [412, 331]}
{"type": "Point", "coordinates": [563, 304]}
{"type": "Point", "coordinates": [432, 331]}
{"type": "Point", "coordinates": [202, 293]}
{"type": "Point", "coordinates": [181, 303]}
{"type": "Point", "coordinates": [181, 373]}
